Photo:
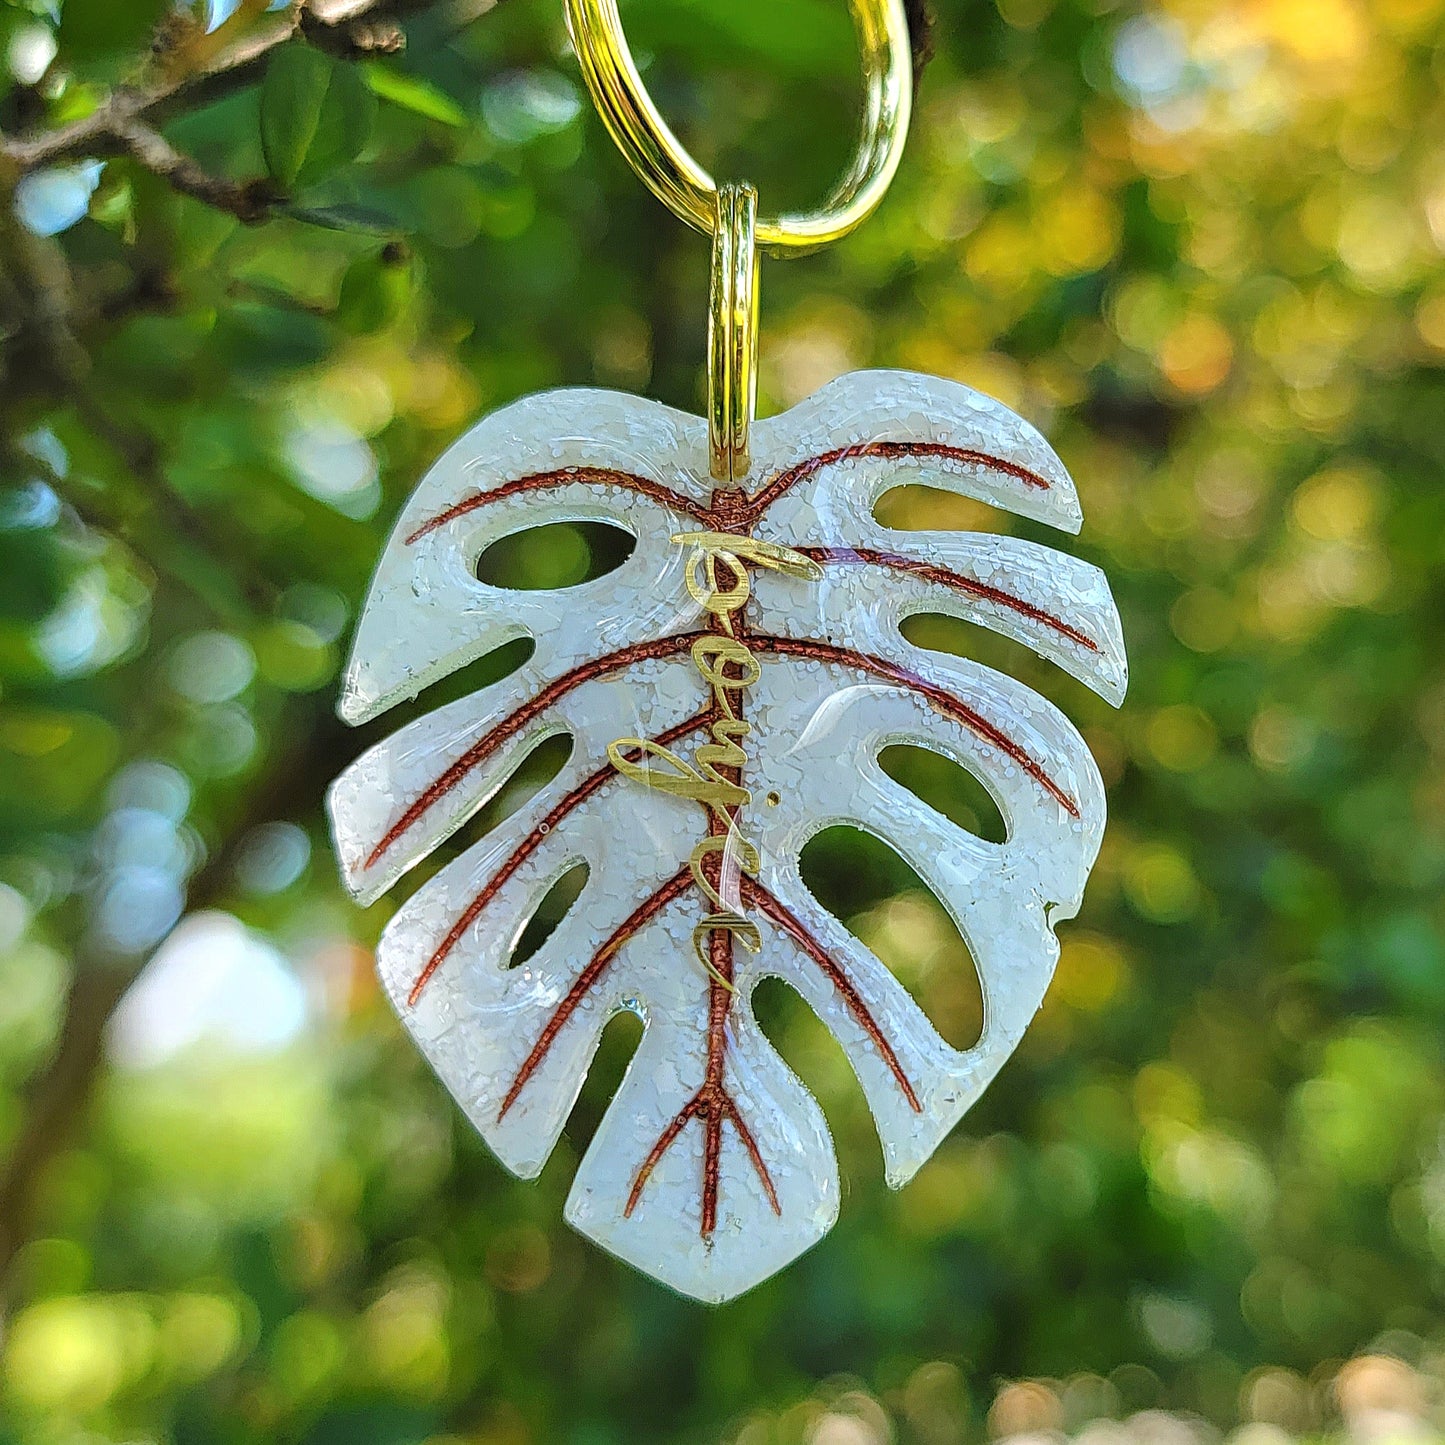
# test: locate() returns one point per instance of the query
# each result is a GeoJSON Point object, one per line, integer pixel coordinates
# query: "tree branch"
{"type": "Point", "coordinates": [342, 27]}
{"type": "Point", "coordinates": [55, 1099]}
{"type": "Point", "coordinates": [60, 1093]}
{"type": "Point", "coordinates": [249, 201]}
{"type": "Point", "coordinates": [345, 28]}
{"type": "Point", "coordinates": [920, 30]}
{"type": "Point", "coordinates": [36, 287]}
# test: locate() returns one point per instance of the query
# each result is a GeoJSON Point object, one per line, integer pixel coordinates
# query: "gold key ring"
{"type": "Point", "coordinates": [687, 190]}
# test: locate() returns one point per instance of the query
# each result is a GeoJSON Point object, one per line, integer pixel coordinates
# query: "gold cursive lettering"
{"type": "Point", "coordinates": [727, 667]}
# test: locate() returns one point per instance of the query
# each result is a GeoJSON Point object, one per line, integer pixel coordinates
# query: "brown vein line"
{"type": "Point", "coordinates": [533, 841]}
{"type": "Point", "coordinates": [712, 1103]}
{"type": "Point", "coordinates": [635, 921]}
{"type": "Point", "coordinates": [786, 481]}
{"type": "Point", "coordinates": [945, 578]}
{"type": "Point", "coordinates": [713, 1092]}
{"type": "Point", "coordinates": [510, 726]}
{"type": "Point", "coordinates": [803, 937]}
{"type": "Point", "coordinates": [664, 1142]}
{"type": "Point", "coordinates": [941, 698]}
{"type": "Point", "coordinates": [712, 1122]}
{"type": "Point", "coordinates": [754, 1153]}
{"type": "Point", "coordinates": [715, 1106]}
{"type": "Point", "coordinates": [561, 477]}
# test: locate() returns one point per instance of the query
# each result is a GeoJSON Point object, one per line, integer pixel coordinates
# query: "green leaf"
{"type": "Point", "coordinates": [348, 118]}
{"type": "Point", "coordinates": [808, 40]}
{"type": "Point", "coordinates": [373, 292]}
{"type": "Point", "coordinates": [292, 97]}
{"type": "Point", "coordinates": [92, 28]}
{"type": "Point", "coordinates": [315, 115]}
{"type": "Point", "coordinates": [413, 93]}
{"type": "Point", "coordinates": [344, 216]}
{"type": "Point", "coordinates": [34, 575]}
{"type": "Point", "coordinates": [260, 340]}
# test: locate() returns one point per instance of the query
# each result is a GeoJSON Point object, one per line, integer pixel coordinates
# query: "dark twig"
{"type": "Point", "coordinates": [249, 201]}
{"type": "Point", "coordinates": [341, 27]}
{"type": "Point", "coordinates": [38, 292]}
{"type": "Point", "coordinates": [55, 1099]}
{"type": "Point", "coordinates": [920, 30]}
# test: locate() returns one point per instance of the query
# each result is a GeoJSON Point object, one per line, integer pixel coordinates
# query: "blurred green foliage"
{"type": "Point", "coordinates": [1200, 243]}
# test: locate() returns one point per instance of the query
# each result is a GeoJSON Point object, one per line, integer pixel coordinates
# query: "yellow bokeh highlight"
{"type": "Point", "coordinates": [1430, 320]}
{"type": "Point", "coordinates": [998, 256]}
{"type": "Point", "coordinates": [1316, 32]}
{"type": "Point", "coordinates": [1164, 1093]}
{"type": "Point", "coordinates": [1204, 619]}
{"type": "Point", "coordinates": [33, 734]}
{"type": "Point", "coordinates": [308, 1350]}
{"type": "Point", "coordinates": [1196, 354]}
{"type": "Point", "coordinates": [1077, 230]}
{"type": "Point", "coordinates": [1161, 884]}
{"type": "Point", "coordinates": [198, 1334]}
{"type": "Point", "coordinates": [965, 1188]}
{"type": "Point", "coordinates": [1182, 737]}
{"type": "Point", "coordinates": [1092, 970]}
{"type": "Point", "coordinates": [74, 1353]}
{"type": "Point", "coordinates": [403, 1334]}
{"type": "Point", "coordinates": [1337, 505]}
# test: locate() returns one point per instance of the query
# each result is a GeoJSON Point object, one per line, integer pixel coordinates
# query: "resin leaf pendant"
{"type": "Point", "coordinates": [727, 691]}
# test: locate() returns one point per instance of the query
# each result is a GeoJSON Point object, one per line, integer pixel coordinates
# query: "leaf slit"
{"type": "Point", "coordinates": [531, 843]}
{"type": "Point", "coordinates": [546, 918]}
{"type": "Point", "coordinates": [949, 788]}
{"type": "Point", "coordinates": [898, 918]}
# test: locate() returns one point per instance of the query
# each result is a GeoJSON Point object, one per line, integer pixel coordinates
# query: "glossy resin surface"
{"type": "Point", "coordinates": [713, 1166]}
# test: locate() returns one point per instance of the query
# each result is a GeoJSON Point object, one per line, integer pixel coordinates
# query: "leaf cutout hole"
{"type": "Point", "coordinates": [938, 632]}
{"type": "Point", "coordinates": [471, 677]}
{"type": "Point", "coordinates": [555, 905]}
{"type": "Point", "coordinates": [615, 1049]}
{"type": "Point", "coordinates": [947, 788]}
{"type": "Point", "coordinates": [917, 508]}
{"type": "Point", "coordinates": [881, 900]}
{"type": "Point", "coordinates": [555, 555]}
{"type": "Point", "coordinates": [526, 780]}
{"type": "Point", "coordinates": [529, 777]}
{"type": "Point", "coordinates": [808, 1047]}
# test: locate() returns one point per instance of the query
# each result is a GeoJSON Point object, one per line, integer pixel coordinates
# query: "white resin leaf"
{"type": "Point", "coordinates": [713, 1166]}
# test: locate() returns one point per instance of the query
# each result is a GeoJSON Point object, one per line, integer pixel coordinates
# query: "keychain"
{"type": "Point", "coordinates": [727, 691]}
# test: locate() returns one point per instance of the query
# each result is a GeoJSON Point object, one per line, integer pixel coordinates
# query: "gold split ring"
{"type": "Point", "coordinates": [687, 190]}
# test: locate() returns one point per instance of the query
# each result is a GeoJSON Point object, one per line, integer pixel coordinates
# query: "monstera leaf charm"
{"type": "Point", "coordinates": [710, 740]}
